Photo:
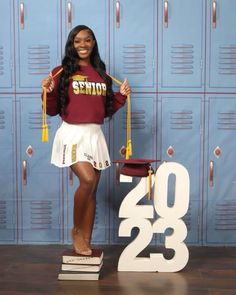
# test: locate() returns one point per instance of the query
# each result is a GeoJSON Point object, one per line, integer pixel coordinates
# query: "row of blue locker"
{"type": "Point", "coordinates": [195, 130]}
{"type": "Point", "coordinates": [174, 45]}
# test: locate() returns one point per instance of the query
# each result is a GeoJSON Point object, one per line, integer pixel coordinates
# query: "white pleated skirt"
{"type": "Point", "coordinates": [80, 143]}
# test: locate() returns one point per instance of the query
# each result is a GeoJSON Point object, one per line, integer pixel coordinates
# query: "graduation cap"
{"type": "Point", "coordinates": [136, 168]}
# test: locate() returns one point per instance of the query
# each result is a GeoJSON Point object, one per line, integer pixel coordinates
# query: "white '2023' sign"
{"type": "Point", "coordinates": [169, 217]}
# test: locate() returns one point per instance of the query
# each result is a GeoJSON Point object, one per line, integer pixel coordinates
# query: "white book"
{"type": "Point", "coordinates": [70, 256]}
{"type": "Point", "coordinates": [81, 267]}
{"type": "Point", "coordinates": [78, 276]}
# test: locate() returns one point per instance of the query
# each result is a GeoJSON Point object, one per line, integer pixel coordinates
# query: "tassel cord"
{"type": "Point", "coordinates": [44, 110]}
{"type": "Point", "coordinates": [128, 123]}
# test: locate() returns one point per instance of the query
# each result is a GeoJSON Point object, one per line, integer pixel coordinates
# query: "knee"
{"type": "Point", "coordinates": [88, 183]}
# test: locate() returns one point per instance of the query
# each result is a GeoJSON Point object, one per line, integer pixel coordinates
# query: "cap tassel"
{"type": "Point", "coordinates": [149, 183]}
{"type": "Point", "coordinates": [128, 149]}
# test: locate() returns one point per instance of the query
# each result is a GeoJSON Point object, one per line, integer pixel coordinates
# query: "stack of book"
{"type": "Point", "coordinates": [81, 267]}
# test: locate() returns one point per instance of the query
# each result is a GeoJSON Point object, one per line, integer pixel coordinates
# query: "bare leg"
{"type": "Point", "coordinates": [90, 212]}
{"type": "Point", "coordinates": [84, 206]}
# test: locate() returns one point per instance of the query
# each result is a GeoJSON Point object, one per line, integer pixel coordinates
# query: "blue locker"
{"type": "Point", "coordinates": [133, 43]}
{"type": "Point", "coordinates": [6, 46]}
{"type": "Point", "coordinates": [220, 185]}
{"type": "Point", "coordinates": [91, 13]}
{"type": "Point", "coordinates": [221, 46]}
{"type": "Point", "coordinates": [143, 135]}
{"type": "Point", "coordinates": [101, 223]}
{"type": "Point", "coordinates": [8, 202]}
{"type": "Point", "coordinates": [181, 45]}
{"type": "Point", "coordinates": [39, 185]}
{"type": "Point", "coordinates": [38, 46]}
{"type": "Point", "coordinates": [180, 132]}
{"type": "Point", "coordinates": [173, 46]}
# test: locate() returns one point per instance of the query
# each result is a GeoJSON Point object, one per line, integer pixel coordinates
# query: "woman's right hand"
{"type": "Point", "coordinates": [48, 83]}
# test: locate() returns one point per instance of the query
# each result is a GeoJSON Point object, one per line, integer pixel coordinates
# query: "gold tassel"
{"type": "Point", "coordinates": [149, 183]}
{"type": "Point", "coordinates": [128, 129]}
{"type": "Point", "coordinates": [128, 151]}
{"type": "Point", "coordinates": [45, 135]}
{"type": "Point", "coordinates": [130, 147]}
{"type": "Point", "coordinates": [44, 117]}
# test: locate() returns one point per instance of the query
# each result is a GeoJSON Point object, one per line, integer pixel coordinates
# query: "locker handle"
{"type": "Point", "coordinates": [211, 173]}
{"type": "Point", "coordinates": [166, 14]}
{"type": "Point", "coordinates": [22, 16]}
{"type": "Point", "coordinates": [69, 14]}
{"type": "Point", "coordinates": [117, 14]}
{"type": "Point", "coordinates": [214, 14]}
{"type": "Point", "coordinates": [24, 172]}
{"type": "Point", "coordinates": [70, 176]}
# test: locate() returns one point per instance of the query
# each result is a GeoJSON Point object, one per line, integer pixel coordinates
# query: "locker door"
{"type": "Point", "coordinates": [8, 214]}
{"type": "Point", "coordinates": [101, 223]}
{"type": "Point", "coordinates": [91, 13]}
{"type": "Point", "coordinates": [37, 41]}
{"type": "Point", "coordinates": [181, 45]}
{"type": "Point", "coordinates": [221, 46]}
{"type": "Point", "coordinates": [39, 181]}
{"type": "Point", "coordinates": [143, 134]}
{"type": "Point", "coordinates": [133, 46]}
{"type": "Point", "coordinates": [6, 46]}
{"type": "Point", "coordinates": [181, 141]}
{"type": "Point", "coordinates": [220, 213]}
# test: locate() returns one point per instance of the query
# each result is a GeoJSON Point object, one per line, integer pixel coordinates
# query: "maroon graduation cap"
{"type": "Point", "coordinates": [136, 168]}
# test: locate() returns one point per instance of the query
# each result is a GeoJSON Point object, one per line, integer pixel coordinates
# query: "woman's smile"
{"type": "Point", "coordinates": [83, 44]}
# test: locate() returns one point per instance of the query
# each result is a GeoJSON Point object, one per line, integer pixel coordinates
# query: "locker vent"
{"type": "Point", "coordinates": [225, 216]}
{"type": "Point", "coordinates": [41, 214]}
{"type": "Point", "coordinates": [1, 61]}
{"type": "Point", "coordinates": [3, 215]}
{"type": "Point", "coordinates": [39, 60]}
{"type": "Point", "coordinates": [138, 119]}
{"type": "Point", "coordinates": [227, 60]}
{"type": "Point", "coordinates": [134, 59]}
{"type": "Point", "coordinates": [35, 120]}
{"type": "Point", "coordinates": [181, 120]}
{"type": "Point", "coordinates": [182, 59]}
{"type": "Point", "coordinates": [2, 119]}
{"type": "Point", "coordinates": [226, 120]}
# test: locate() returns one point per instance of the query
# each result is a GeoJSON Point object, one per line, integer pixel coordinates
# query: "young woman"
{"type": "Point", "coordinates": [81, 92]}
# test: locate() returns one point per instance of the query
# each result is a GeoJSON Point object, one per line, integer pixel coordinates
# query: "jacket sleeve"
{"type": "Point", "coordinates": [52, 97]}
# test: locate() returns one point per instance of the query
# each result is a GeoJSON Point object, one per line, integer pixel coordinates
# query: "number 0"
{"type": "Point", "coordinates": [181, 203]}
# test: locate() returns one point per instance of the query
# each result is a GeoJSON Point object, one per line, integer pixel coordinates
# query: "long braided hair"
{"type": "Point", "coordinates": [70, 66]}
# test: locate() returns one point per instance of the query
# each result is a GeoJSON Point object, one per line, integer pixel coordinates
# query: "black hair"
{"type": "Point", "coordinates": [70, 66]}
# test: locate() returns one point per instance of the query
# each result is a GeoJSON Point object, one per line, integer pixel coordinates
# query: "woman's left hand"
{"type": "Point", "coordinates": [125, 88]}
